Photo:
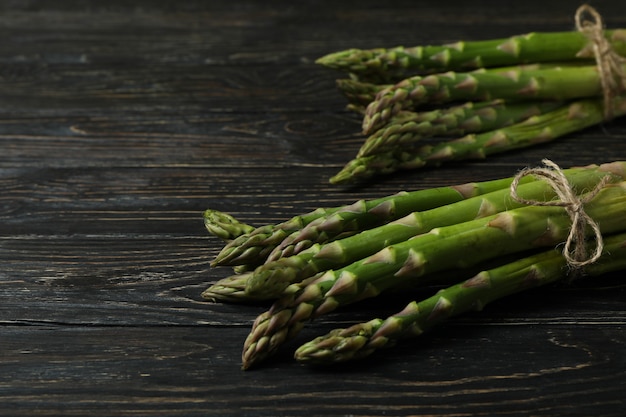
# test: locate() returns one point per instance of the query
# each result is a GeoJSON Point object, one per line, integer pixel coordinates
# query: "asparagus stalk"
{"type": "Point", "coordinates": [230, 289]}
{"type": "Point", "coordinates": [361, 340]}
{"type": "Point", "coordinates": [365, 215]}
{"type": "Point", "coordinates": [224, 226]}
{"type": "Point", "coordinates": [270, 279]}
{"type": "Point", "coordinates": [406, 129]}
{"type": "Point", "coordinates": [456, 246]}
{"type": "Point", "coordinates": [396, 63]}
{"type": "Point", "coordinates": [519, 83]}
{"type": "Point", "coordinates": [254, 247]}
{"type": "Point", "coordinates": [573, 117]}
{"type": "Point", "coordinates": [359, 93]}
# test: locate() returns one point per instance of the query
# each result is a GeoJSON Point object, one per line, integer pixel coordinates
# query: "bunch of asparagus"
{"type": "Point", "coordinates": [481, 97]}
{"type": "Point", "coordinates": [478, 240]}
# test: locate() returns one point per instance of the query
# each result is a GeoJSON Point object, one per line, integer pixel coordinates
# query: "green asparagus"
{"type": "Point", "coordinates": [254, 247]}
{"type": "Point", "coordinates": [358, 93]}
{"type": "Point", "coordinates": [456, 246]}
{"type": "Point", "coordinates": [406, 129]}
{"type": "Point", "coordinates": [365, 215]}
{"type": "Point", "coordinates": [574, 117]}
{"type": "Point", "coordinates": [229, 289]}
{"type": "Point", "coordinates": [381, 64]}
{"type": "Point", "coordinates": [361, 340]}
{"type": "Point", "coordinates": [520, 83]}
{"type": "Point", "coordinates": [270, 279]}
{"type": "Point", "coordinates": [224, 226]}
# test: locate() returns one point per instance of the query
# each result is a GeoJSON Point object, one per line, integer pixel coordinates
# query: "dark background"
{"type": "Point", "coordinates": [122, 121]}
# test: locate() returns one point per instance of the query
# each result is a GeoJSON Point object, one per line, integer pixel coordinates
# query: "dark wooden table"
{"type": "Point", "coordinates": [121, 121]}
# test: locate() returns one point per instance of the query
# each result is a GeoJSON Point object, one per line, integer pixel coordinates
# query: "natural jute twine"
{"type": "Point", "coordinates": [575, 250]}
{"type": "Point", "coordinates": [610, 64]}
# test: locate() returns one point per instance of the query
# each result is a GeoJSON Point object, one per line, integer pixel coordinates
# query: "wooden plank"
{"type": "Point", "coordinates": [192, 371]}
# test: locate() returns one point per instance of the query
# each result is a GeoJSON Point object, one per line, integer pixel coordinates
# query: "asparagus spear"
{"type": "Point", "coordinates": [359, 93]}
{"type": "Point", "coordinates": [224, 225]}
{"type": "Point", "coordinates": [254, 247]}
{"type": "Point", "coordinates": [396, 63]}
{"type": "Point", "coordinates": [519, 83]}
{"type": "Point", "coordinates": [270, 279]}
{"type": "Point", "coordinates": [229, 289]}
{"type": "Point", "coordinates": [571, 118]}
{"type": "Point", "coordinates": [361, 340]}
{"type": "Point", "coordinates": [365, 215]}
{"type": "Point", "coordinates": [406, 129]}
{"type": "Point", "coordinates": [456, 246]}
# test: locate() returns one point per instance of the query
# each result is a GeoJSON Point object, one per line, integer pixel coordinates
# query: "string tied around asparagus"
{"type": "Point", "coordinates": [610, 63]}
{"type": "Point", "coordinates": [575, 250]}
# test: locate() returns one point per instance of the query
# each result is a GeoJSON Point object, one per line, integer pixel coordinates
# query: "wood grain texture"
{"type": "Point", "coordinates": [120, 122]}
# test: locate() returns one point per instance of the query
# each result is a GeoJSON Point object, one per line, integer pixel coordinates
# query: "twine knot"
{"type": "Point", "coordinates": [609, 63]}
{"type": "Point", "coordinates": [575, 250]}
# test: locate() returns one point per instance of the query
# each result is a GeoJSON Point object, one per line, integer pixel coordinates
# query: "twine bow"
{"type": "Point", "coordinates": [575, 250]}
{"type": "Point", "coordinates": [610, 64]}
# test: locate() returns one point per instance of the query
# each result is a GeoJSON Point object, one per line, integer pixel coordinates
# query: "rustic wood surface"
{"type": "Point", "coordinates": [121, 121]}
